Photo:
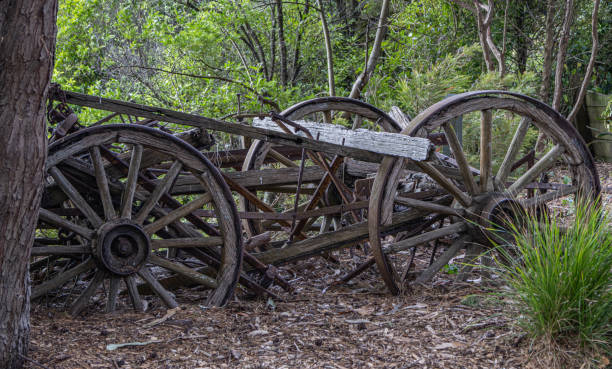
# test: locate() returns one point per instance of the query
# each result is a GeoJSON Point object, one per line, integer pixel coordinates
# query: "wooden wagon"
{"type": "Point", "coordinates": [152, 204]}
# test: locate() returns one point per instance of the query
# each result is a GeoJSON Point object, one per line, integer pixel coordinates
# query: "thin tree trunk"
{"type": "Point", "coordinates": [297, 65]}
{"type": "Point", "coordinates": [27, 44]}
{"type": "Point", "coordinates": [589, 71]}
{"type": "Point", "coordinates": [273, 42]}
{"type": "Point", "coordinates": [549, 46]}
{"type": "Point", "coordinates": [281, 42]}
{"type": "Point", "coordinates": [255, 39]}
{"type": "Point", "coordinates": [501, 65]}
{"type": "Point", "coordinates": [365, 76]}
{"type": "Point", "coordinates": [482, 36]}
{"type": "Point", "coordinates": [522, 43]}
{"type": "Point", "coordinates": [562, 52]}
{"type": "Point", "coordinates": [328, 51]}
{"type": "Point", "coordinates": [502, 72]}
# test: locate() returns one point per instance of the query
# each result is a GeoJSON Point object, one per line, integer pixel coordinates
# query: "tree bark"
{"type": "Point", "coordinates": [27, 44]}
{"type": "Point", "coordinates": [365, 76]}
{"type": "Point", "coordinates": [281, 42]}
{"type": "Point", "coordinates": [590, 66]}
{"type": "Point", "coordinates": [562, 52]}
{"type": "Point", "coordinates": [549, 46]}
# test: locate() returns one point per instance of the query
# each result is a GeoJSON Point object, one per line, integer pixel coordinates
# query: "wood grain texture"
{"type": "Point", "coordinates": [385, 143]}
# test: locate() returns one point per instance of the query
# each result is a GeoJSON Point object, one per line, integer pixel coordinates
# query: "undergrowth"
{"type": "Point", "coordinates": [563, 279]}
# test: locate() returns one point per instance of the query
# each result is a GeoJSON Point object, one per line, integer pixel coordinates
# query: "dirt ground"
{"type": "Point", "coordinates": [442, 325]}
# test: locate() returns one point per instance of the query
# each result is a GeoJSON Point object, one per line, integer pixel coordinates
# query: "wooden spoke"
{"type": "Point", "coordinates": [60, 250]}
{"type": "Point", "coordinates": [513, 150]}
{"type": "Point", "coordinates": [82, 301]}
{"type": "Point", "coordinates": [282, 159]}
{"type": "Point", "coordinates": [178, 213]}
{"type": "Point", "coordinates": [52, 218]}
{"type": "Point", "coordinates": [113, 292]}
{"type": "Point", "coordinates": [429, 206]}
{"type": "Point", "coordinates": [132, 181]}
{"type": "Point", "coordinates": [446, 183]}
{"type": "Point", "coordinates": [443, 259]}
{"type": "Point", "coordinates": [61, 278]}
{"type": "Point", "coordinates": [540, 166]}
{"type": "Point", "coordinates": [549, 196]}
{"type": "Point", "coordinates": [137, 302]}
{"type": "Point", "coordinates": [102, 180]}
{"type": "Point", "coordinates": [187, 272]}
{"type": "Point", "coordinates": [464, 167]}
{"type": "Point", "coordinates": [161, 188]}
{"type": "Point", "coordinates": [187, 242]}
{"type": "Point", "coordinates": [75, 196]}
{"type": "Point", "coordinates": [486, 139]}
{"type": "Point", "coordinates": [159, 290]}
{"type": "Point", "coordinates": [425, 237]}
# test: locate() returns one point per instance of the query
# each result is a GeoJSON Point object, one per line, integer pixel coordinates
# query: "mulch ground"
{"type": "Point", "coordinates": [442, 325]}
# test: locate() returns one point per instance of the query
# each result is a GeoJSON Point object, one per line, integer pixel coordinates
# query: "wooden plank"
{"type": "Point", "coordinates": [386, 143]}
{"type": "Point", "coordinates": [344, 237]}
{"type": "Point", "coordinates": [187, 242]}
{"type": "Point", "coordinates": [166, 115]}
{"type": "Point", "coordinates": [60, 250]}
{"type": "Point", "coordinates": [253, 179]}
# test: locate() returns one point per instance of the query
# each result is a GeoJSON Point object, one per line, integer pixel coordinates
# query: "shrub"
{"type": "Point", "coordinates": [563, 278]}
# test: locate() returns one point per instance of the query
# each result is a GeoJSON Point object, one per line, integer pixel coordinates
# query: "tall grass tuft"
{"type": "Point", "coordinates": [563, 278]}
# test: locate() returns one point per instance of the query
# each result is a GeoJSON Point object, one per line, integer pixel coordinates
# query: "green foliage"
{"type": "Point", "coordinates": [564, 278]}
{"type": "Point", "coordinates": [427, 84]}
{"type": "Point", "coordinates": [197, 56]}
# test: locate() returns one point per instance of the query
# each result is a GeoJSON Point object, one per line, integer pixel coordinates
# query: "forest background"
{"type": "Point", "coordinates": [202, 56]}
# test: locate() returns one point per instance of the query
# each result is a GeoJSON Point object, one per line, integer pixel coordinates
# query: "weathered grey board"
{"type": "Point", "coordinates": [386, 143]}
{"type": "Point", "coordinates": [166, 115]}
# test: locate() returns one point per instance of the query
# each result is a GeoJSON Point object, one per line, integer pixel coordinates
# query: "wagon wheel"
{"type": "Point", "coordinates": [108, 219]}
{"type": "Point", "coordinates": [321, 206]}
{"type": "Point", "coordinates": [479, 186]}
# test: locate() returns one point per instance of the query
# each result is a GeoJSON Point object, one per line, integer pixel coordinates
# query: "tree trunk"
{"type": "Point", "coordinates": [27, 43]}
{"type": "Point", "coordinates": [328, 51]}
{"type": "Point", "coordinates": [549, 46]}
{"type": "Point", "coordinates": [562, 52]}
{"type": "Point", "coordinates": [281, 42]}
{"type": "Point", "coordinates": [521, 39]}
{"type": "Point", "coordinates": [364, 77]}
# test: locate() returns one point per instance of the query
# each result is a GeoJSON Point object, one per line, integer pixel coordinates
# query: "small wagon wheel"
{"type": "Point", "coordinates": [479, 184]}
{"type": "Point", "coordinates": [319, 195]}
{"type": "Point", "coordinates": [106, 216]}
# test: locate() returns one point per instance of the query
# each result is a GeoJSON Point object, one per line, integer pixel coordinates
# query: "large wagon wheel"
{"type": "Point", "coordinates": [318, 195]}
{"type": "Point", "coordinates": [106, 216]}
{"type": "Point", "coordinates": [478, 187]}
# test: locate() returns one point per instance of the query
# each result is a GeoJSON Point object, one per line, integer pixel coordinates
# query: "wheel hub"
{"type": "Point", "coordinates": [122, 247]}
{"type": "Point", "coordinates": [495, 214]}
